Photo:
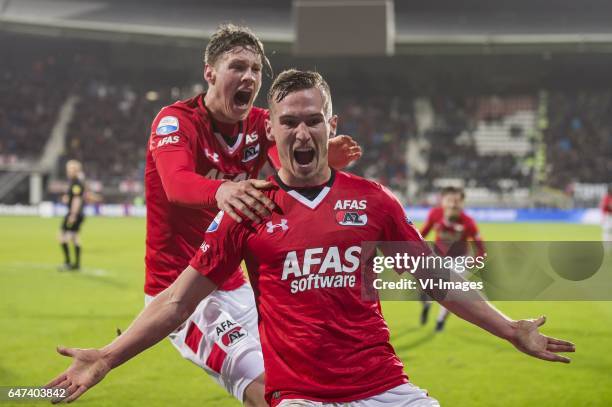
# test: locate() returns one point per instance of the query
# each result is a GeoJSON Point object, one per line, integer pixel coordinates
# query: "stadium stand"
{"type": "Point", "coordinates": [383, 128]}
{"type": "Point", "coordinates": [415, 139]}
{"type": "Point", "coordinates": [579, 137]}
{"type": "Point", "coordinates": [110, 130]}
{"type": "Point", "coordinates": [30, 99]}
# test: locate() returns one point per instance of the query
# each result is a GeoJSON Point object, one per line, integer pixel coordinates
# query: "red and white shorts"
{"type": "Point", "coordinates": [404, 395]}
{"type": "Point", "coordinates": [221, 337]}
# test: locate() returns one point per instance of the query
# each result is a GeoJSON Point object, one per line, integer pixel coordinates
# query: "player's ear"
{"type": "Point", "coordinates": [209, 74]}
{"type": "Point", "coordinates": [269, 135]}
{"type": "Point", "coordinates": [333, 125]}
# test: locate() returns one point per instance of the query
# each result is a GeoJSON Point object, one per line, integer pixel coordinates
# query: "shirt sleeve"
{"type": "Point", "coordinates": [398, 227]}
{"type": "Point", "coordinates": [174, 156]}
{"type": "Point", "coordinates": [76, 189]}
{"type": "Point", "coordinates": [474, 234]}
{"type": "Point", "coordinates": [605, 204]}
{"type": "Point", "coordinates": [400, 236]}
{"type": "Point", "coordinates": [428, 224]}
{"type": "Point", "coordinates": [222, 250]}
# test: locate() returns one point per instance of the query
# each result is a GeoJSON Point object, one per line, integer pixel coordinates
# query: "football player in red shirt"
{"type": "Point", "coordinates": [606, 215]}
{"type": "Point", "coordinates": [203, 155]}
{"type": "Point", "coordinates": [453, 228]}
{"type": "Point", "coordinates": [322, 341]}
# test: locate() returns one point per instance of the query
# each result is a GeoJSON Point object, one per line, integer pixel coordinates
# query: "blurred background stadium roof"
{"type": "Point", "coordinates": [432, 26]}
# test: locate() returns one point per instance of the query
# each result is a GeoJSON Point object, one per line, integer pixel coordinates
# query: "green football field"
{"type": "Point", "coordinates": [463, 366]}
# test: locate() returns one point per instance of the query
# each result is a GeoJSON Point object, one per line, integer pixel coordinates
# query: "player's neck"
{"type": "Point", "coordinates": [214, 105]}
{"type": "Point", "coordinates": [317, 179]}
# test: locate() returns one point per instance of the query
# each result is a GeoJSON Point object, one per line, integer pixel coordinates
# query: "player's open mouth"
{"type": "Point", "coordinates": [304, 156]}
{"type": "Point", "coordinates": [242, 98]}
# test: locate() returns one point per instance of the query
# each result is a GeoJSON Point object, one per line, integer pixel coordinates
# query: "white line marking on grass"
{"type": "Point", "coordinates": [20, 265]}
{"type": "Point", "coordinates": [95, 272]}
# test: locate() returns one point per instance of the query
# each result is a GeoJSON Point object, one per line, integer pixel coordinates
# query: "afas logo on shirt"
{"type": "Point", "coordinates": [251, 138]}
{"type": "Point", "coordinates": [334, 269]}
{"type": "Point", "coordinates": [167, 125]}
{"type": "Point", "coordinates": [168, 140]}
{"type": "Point", "coordinates": [344, 204]}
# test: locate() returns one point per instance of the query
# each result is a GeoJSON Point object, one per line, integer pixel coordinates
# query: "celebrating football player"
{"type": "Point", "coordinates": [322, 341]}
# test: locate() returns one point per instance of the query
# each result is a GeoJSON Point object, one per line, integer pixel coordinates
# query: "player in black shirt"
{"type": "Point", "coordinates": [74, 218]}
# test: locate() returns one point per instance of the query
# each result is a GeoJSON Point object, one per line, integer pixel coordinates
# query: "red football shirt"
{"type": "Point", "coordinates": [452, 235]}
{"type": "Point", "coordinates": [186, 162]}
{"type": "Point", "coordinates": [606, 204]}
{"type": "Point", "coordinates": [321, 341]}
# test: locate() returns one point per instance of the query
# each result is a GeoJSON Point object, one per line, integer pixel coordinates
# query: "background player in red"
{"type": "Point", "coordinates": [453, 228]}
{"type": "Point", "coordinates": [203, 154]}
{"type": "Point", "coordinates": [606, 215]}
{"type": "Point", "coordinates": [323, 343]}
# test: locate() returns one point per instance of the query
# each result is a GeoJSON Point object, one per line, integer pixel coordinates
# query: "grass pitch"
{"type": "Point", "coordinates": [463, 366]}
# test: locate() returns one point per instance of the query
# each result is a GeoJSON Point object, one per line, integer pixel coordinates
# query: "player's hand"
{"type": "Point", "coordinates": [343, 150]}
{"type": "Point", "coordinates": [246, 197]}
{"type": "Point", "coordinates": [87, 369]}
{"type": "Point", "coordinates": [527, 339]}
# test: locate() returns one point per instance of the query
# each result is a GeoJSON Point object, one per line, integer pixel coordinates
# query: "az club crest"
{"type": "Point", "coordinates": [250, 153]}
{"type": "Point", "coordinates": [229, 332]}
{"type": "Point", "coordinates": [351, 218]}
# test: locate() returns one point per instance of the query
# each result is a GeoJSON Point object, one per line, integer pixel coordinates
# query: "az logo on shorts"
{"type": "Point", "coordinates": [235, 335]}
{"type": "Point", "coordinates": [230, 333]}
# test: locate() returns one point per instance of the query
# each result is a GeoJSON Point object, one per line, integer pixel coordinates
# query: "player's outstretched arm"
{"type": "Point", "coordinates": [343, 150]}
{"type": "Point", "coordinates": [166, 312]}
{"type": "Point", "coordinates": [523, 334]}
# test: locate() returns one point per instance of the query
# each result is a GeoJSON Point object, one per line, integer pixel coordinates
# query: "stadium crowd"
{"type": "Point", "coordinates": [30, 100]}
{"type": "Point", "coordinates": [383, 129]}
{"type": "Point", "coordinates": [579, 138]}
{"type": "Point", "coordinates": [109, 131]}
{"type": "Point", "coordinates": [453, 149]}
{"type": "Point", "coordinates": [110, 126]}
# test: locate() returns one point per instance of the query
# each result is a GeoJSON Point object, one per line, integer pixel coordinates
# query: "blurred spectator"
{"type": "Point", "coordinates": [30, 101]}
{"type": "Point", "coordinates": [579, 138]}
{"type": "Point", "coordinates": [382, 127]}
